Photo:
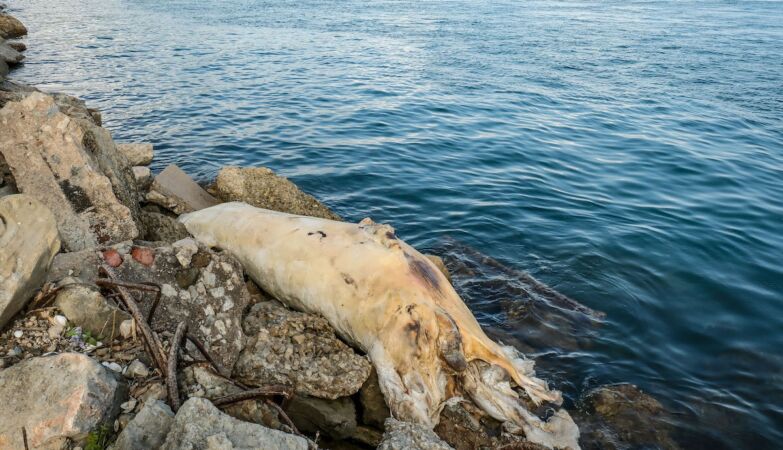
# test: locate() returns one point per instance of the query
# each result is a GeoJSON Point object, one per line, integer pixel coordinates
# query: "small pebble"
{"type": "Point", "coordinates": [18, 334]}
{"type": "Point", "coordinates": [60, 320]}
{"type": "Point", "coordinates": [126, 328]}
{"type": "Point", "coordinates": [129, 405]}
{"type": "Point", "coordinates": [137, 369]}
{"type": "Point", "coordinates": [114, 367]}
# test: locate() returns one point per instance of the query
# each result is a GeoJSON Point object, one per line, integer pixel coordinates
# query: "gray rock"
{"type": "Point", "coordinates": [374, 409]}
{"type": "Point", "coordinates": [28, 243]}
{"type": "Point", "coordinates": [209, 294]}
{"type": "Point", "coordinates": [198, 381]}
{"type": "Point", "coordinates": [11, 27]}
{"type": "Point", "coordinates": [56, 398]}
{"type": "Point", "coordinates": [336, 418]}
{"type": "Point", "coordinates": [137, 154]}
{"type": "Point", "coordinates": [4, 69]}
{"type": "Point", "coordinates": [260, 187]}
{"type": "Point", "coordinates": [85, 307]}
{"type": "Point", "coordinates": [143, 177]}
{"type": "Point", "coordinates": [174, 190]}
{"type": "Point", "coordinates": [408, 436]}
{"type": "Point", "coordinates": [148, 430]}
{"type": "Point", "coordinates": [300, 350]}
{"type": "Point", "coordinates": [160, 227]}
{"type": "Point", "coordinates": [9, 54]}
{"type": "Point", "coordinates": [72, 167]}
{"type": "Point", "coordinates": [199, 425]}
{"type": "Point", "coordinates": [136, 369]}
{"type": "Point", "coordinates": [17, 45]}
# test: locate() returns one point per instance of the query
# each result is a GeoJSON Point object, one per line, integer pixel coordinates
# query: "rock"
{"type": "Point", "coordinates": [184, 251]}
{"type": "Point", "coordinates": [17, 45]}
{"type": "Point", "coordinates": [148, 429]}
{"type": "Point", "coordinates": [143, 177]}
{"type": "Point", "coordinates": [137, 154]}
{"type": "Point", "coordinates": [4, 69]}
{"type": "Point", "coordinates": [260, 187]}
{"type": "Point", "coordinates": [9, 54]}
{"type": "Point", "coordinates": [336, 418]}
{"type": "Point", "coordinates": [85, 307]}
{"type": "Point", "coordinates": [374, 409]}
{"type": "Point", "coordinates": [199, 425]}
{"type": "Point", "coordinates": [198, 381]}
{"type": "Point", "coordinates": [28, 243]}
{"type": "Point", "coordinates": [72, 167]}
{"type": "Point", "coordinates": [56, 398]}
{"type": "Point", "coordinates": [11, 27]}
{"type": "Point", "coordinates": [464, 426]}
{"type": "Point", "coordinates": [174, 190]}
{"type": "Point", "coordinates": [407, 436]}
{"type": "Point", "coordinates": [160, 227]}
{"type": "Point", "coordinates": [137, 369]}
{"type": "Point", "coordinates": [320, 366]}
{"type": "Point", "coordinates": [127, 328]}
{"type": "Point", "coordinates": [211, 302]}
{"type": "Point", "coordinates": [621, 416]}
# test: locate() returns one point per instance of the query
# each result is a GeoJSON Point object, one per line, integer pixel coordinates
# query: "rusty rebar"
{"type": "Point", "coordinates": [171, 372]}
{"type": "Point", "coordinates": [146, 287]}
{"type": "Point", "coordinates": [203, 350]}
{"type": "Point", "coordinates": [265, 391]}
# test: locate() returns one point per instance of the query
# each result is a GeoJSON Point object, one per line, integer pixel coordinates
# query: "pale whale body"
{"type": "Point", "coordinates": [387, 299]}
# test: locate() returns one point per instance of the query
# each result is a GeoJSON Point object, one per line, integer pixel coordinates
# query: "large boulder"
{"type": "Point", "coordinates": [408, 436]}
{"type": "Point", "coordinates": [621, 416]}
{"type": "Point", "coordinates": [28, 243]}
{"type": "Point", "coordinates": [148, 430]}
{"type": "Point", "coordinates": [11, 27]}
{"type": "Point", "coordinates": [260, 187]}
{"type": "Point", "coordinates": [200, 426]}
{"type": "Point", "coordinates": [72, 166]}
{"type": "Point", "coordinates": [56, 399]}
{"type": "Point", "coordinates": [204, 288]}
{"type": "Point", "coordinates": [300, 350]}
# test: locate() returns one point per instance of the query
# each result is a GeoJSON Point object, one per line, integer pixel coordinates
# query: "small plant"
{"type": "Point", "coordinates": [99, 438]}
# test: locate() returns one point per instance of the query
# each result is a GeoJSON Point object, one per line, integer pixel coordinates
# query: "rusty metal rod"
{"type": "Point", "coordinates": [171, 372]}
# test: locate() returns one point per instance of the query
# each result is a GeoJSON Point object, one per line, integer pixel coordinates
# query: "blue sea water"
{"type": "Point", "coordinates": [627, 153]}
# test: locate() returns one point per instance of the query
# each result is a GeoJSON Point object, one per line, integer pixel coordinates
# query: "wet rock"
{"type": "Point", "coordinates": [438, 261]}
{"type": "Point", "coordinates": [143, 177]}
{"type": "Point", "coordinates": [160, 227]}
{"type": "Point", "coordinates": [199, 381]}
{"type": "Point", "coordinates": [199, 425]}
{"type": "Point", "coordinates": [374, 409]}
{"type": "Point", "coordinates": [56, 398]}
{"type": "Point", "coordinates": [407, 436]}
{"type": "Point", "coordinates": [212, 305]}
{"type": "Point", "coordinates": [300, 350]}
{"type": "Point", "coordinates": [174, 190]}
{"type": "Point", "coordinates": [11, 27]}
{"type": "Point", "coordinates": [9, 54]}
{"type": "Point", "coordinates": [622, 417]}
{"type": "Point", "coordinates": [466, 427]}
{"type": "Point", "coordinates": [71, 166]}
{"type": "Point", "coordinates": [148, 430]}
{"type": "Point", "coordinates": [260, 187]}
{"type": "Point", "coordinates": [17, 45]}
{"type": "Point", "coordinates": [336, 418]}
{"type": "Point", "coordinates": [28, 243]}
{"type": "Point", "coordinates": [137, 154]}
{"type": "Point", "coordinates": [85, 307]}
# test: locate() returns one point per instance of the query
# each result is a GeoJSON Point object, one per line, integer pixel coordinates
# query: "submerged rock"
{"type": "Point", "coordinates": [199, 425]}
{"type": "Point", "coordinates": [148, 430]}
{"type": "Point", "coordinates": [71, 166]}
{"type": "Point", "coordinates": [11, 27]}
{"type": "Point", "coordinates": [408, 436]}
{"type": "Point", "coordinates": [300, 350]}
{"type": "Point", "coordinates": [56, 398]}
{"type": "Point", "coordinates": [260, 187]}
{"type": "Point", "coordinates": [174, 190]}
{"type": "Point", "coordinates": [621, 416]}
{"type": "Point", "coordinates": [28, 243]}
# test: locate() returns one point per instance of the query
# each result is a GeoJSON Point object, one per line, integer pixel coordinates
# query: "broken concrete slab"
{"type": "Point", "coordinates": [56, 398]}
{"type": "Point", "coordinates": [174, 190]}
{"type": "Point", "coordinates": [199, 425]}
{"type": "Point", "coordinates": [71, 166]}
{"type": "Point", "coordinates": [261, 187]}
{"type": "Point", "coordinates": [28, 243]}
{"type": "Point", "coordinates": [299, 350]}
{"type": "Point", "coordinates": [137, 154]}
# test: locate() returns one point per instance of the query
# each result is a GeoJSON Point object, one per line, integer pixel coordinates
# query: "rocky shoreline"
{"type": "Point", "coordinates": [118, 330]}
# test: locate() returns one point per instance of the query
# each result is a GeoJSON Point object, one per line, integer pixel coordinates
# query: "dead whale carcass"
{"type": "Point", "coordinates": [389, 300]}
